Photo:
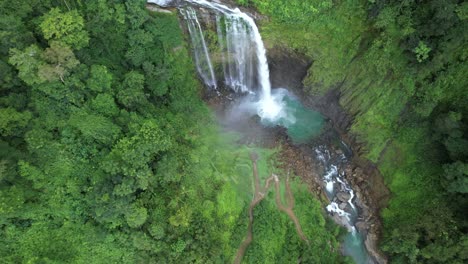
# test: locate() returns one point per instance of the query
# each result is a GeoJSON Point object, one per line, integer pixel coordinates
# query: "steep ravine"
{"type": "Point", "coordinates": [288, 69]}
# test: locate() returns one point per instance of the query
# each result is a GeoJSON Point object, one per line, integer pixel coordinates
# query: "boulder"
{"type": "Point", "coordinates": [362, 226]}
{"type": "Point", "coordinates": [343, 196]}
{"type": "Point", "coordinates": [342, 221]}
{"type": "Point", "coordinates": [342, 206]}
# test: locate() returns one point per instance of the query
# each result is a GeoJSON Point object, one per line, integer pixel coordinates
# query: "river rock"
{"type": "Point", "coordinates": [342, 221]}
{"type": "Point", "coordinates": [346, 207]}
{"type": "Point", "coordinates": [342, 206]}
{"type": "Point", "coordinates": [343, 196]}
{"type": "Point", "coordinates": [362, 226]}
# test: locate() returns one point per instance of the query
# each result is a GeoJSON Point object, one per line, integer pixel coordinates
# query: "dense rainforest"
{"type": "Point", "coordinates": [108, 154]}
{"type": "Point", "coordinates": [401, 70]}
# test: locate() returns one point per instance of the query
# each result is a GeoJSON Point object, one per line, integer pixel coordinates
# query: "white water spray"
{"type": "Point", "coordinates": [237, 47]}
{"type": "Point", "coordinates": [202, 56]}
{"type": "Point", "coordinates": [335, 183]}
{"type": "Point", "coordinates": [242, 42]}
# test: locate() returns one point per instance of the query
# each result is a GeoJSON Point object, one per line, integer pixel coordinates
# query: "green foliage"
{"type": "Point", "coordinates": [457, 177]}
{"type": "Point", "coordinates": [12, 122]}
{"type": "Point", "coordinates": [27, 63]}
{"type": "Point", "coordinates": [132, 93]}
{"type": "Point", "coordinates": [136, 216]}
{"type": "Point", "coordinates": [275, 237]}
{"type": "Point", "coordinates": [422, 51]}
{"type": "Point", "coordinates": [328, 32]}
{"type": "Point", "coordinates": [100, 79]}
{"type": "Point", "coordinates": [65, 27]}
{"type": "Point", "coordinates": [59, 60]}
{"type": "Point", "coordinates": [38, 66]}
{"type": "Point", "coordinates": [95, 127]}
{"type": "Point", "coordinates": [104, 104]}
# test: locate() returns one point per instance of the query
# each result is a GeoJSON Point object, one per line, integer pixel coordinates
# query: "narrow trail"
{"type": "Point", "coordinates": [288, 209]}
{"type": "Point", "coordinates": [259, 195]}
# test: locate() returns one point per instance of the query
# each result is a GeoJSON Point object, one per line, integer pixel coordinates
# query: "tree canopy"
{"type": "Point", "coordinates": [108, 154]}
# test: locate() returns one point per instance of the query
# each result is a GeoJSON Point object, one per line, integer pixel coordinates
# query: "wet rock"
{"type": "Point", "coordinates": [371, 246]}
{"type": "Point", "coordinates": [155, 8]}
{"type": "Point", "coordinates": [287, 69]}
{"type": "Point", "coordinates": [342, 206]}
{"type": "Point", "coordinates": [165, 3]}
{"type": "Point", "coordinates": [343, 196]}
{"type": "Point", "coordinates": [362, 226]}
{"type": "Point", "coordinates": [342, 221]}
{"type": "Point", "coordinates": [346, 207]}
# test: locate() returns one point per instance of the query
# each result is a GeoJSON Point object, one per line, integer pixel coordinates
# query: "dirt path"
{"type": "Point", "coordinates": [259, 195]}
{"type": "Point", "coordinates": [288, 209]}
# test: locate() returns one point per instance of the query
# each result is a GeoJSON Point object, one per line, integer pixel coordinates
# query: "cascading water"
{"type": "Point", "coordinates": [202, 56]}
{"type": "Point", "coordinates": [242, 49]}
{"type": "Point", "coordinates": [342, 207]}
{"type": "Point", "coordinates": [237, 52]}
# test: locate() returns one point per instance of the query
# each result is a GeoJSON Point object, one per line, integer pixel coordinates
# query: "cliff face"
{"type": "Point", "coordinates": [288, 69]}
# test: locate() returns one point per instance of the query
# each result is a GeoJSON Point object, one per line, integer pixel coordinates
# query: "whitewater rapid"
{"type": "Point", "coordinates": [344, 211]}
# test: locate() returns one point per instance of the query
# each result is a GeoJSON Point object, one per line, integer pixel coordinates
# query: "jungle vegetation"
{"type": "Point", "coordinates": [108, 154]}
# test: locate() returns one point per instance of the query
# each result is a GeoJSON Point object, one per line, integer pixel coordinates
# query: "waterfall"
{"type": "Point", "coordinates": [202, 56]}
{"type": "Point", "coordinates": [237, 51]}
{"type": "Point", "coordinates": [243, 53]}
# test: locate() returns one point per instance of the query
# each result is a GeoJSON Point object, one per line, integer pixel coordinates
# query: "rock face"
{"type": "Point", "coordinates": [165, 3]}
{"type": "Point", "coordinates": [286, 70]}
{"type": "Point", "coordinates": [155, 8]}
{"type": "Point", "coordinates": [372, 246]}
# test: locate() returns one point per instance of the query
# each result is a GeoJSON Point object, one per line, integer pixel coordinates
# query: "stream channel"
{"type": "Point", "coordinates": [236, 68]}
